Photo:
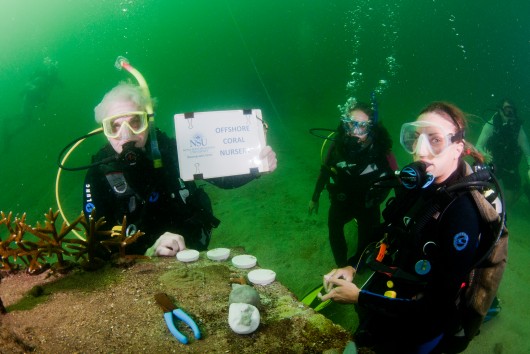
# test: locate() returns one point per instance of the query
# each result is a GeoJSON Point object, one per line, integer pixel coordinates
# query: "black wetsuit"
{"type": "Point", "coordinates": [434, 255]}
{"type": "Point", "coordinates": [348, 173]}
{"type": "Point", "coordinates": [154, 200]}
{"type": "Point", "coordinates": [506, 152]}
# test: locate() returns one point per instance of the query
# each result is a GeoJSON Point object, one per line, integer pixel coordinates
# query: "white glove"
{"type": "Point", "coordinates": [270, 155]}
{"type": "Point", "coordinates": [168, 244]}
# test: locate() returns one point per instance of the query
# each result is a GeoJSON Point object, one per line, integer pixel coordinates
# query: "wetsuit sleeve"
{"type": "Point", "coordinates": [485, 135]}
{"type": "Point", "coordinates": [460, 228]}
{"type": "Point", "coordinates": [322, 180]}
{"type": "Point", "coordinates": [323, 177]}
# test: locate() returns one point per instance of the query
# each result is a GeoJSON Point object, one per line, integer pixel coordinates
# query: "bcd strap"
{"type": "Point", "coordinates": [118, 183]}
{"type": "Point", "coordinates": [393, 272]}
{"type": "Point", "coordinates": [122, 190]}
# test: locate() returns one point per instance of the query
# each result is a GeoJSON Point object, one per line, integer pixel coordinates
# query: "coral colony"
{"type": "Point", "coordinates": [42, 247]}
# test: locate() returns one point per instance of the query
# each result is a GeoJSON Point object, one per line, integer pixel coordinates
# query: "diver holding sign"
{"type": "Point", "coordinates": [136, 174]}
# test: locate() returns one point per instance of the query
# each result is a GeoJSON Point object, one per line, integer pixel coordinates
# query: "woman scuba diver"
{"type": "Point", "coordinates": [442, 253]}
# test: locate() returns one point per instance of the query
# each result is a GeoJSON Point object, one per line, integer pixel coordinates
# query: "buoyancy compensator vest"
{"type": "Point", "coordinates": [484, 277]}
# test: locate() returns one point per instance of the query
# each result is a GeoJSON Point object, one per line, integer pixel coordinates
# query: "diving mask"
{"type": "Point", "coordinates": [435, 137]}
{"type": "Point", "coordinates": [137, 122]}
{"type": "Point", "coordinates": [508, 111]}
{"type": "Point", "coordinates": [356, 127]}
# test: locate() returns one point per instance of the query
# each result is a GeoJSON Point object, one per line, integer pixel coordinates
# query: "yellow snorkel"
{"type": "Point", "coordinates": [122, 62]}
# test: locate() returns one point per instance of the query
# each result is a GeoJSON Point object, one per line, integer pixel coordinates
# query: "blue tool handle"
{"type": "Point", "coordinates": [168, 317]}
{"type": "Point", "coordinates": [187, 319]}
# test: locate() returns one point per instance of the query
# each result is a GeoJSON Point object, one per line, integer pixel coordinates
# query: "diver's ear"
{"type": "Point", "coordinates": [459, 149]}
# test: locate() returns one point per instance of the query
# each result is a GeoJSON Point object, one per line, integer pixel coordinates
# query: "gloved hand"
{"type": "Point", "coordinates": [168, 244]}
{"type": "Point", "coordinates": [270, 155]}
{"type": "Point", "coordinates": [347, 273]}
{"type": "Point", "coordinates": [339, 287]}
{"type": "Point", "coordinates": [313, 207]}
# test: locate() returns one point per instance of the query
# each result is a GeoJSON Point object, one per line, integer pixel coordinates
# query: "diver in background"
{"type": "Point", "coordinates": [503, 142]}
{"type": "Point", "coordinates": [173, 214]}
{"type": "Point", "coordinates": [37, 90]}
{"type": "Point", "coordinates": [35, 95]}
{"type": "Point", "coordinates": [360, 155]}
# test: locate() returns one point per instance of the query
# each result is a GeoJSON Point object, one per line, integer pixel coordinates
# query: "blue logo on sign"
{"type": "Point", "coordinates": [89, 207]}
{"type": "Point", "coordinates": [197, 141]}
{"type": "Point", "coordinates": [460, 241]}
{"type": "Point", "coordinates": [153, 197]}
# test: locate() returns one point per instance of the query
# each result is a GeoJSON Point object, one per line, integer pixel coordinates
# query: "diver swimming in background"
{"type": "Point", "coordinates": [359, 155]}
{"type": "Point", "coordinates": [35, 96]}
{"type": "Point", "coordinates": [37, 90]}
{"type": "Point", "coordinates": [504, 143]}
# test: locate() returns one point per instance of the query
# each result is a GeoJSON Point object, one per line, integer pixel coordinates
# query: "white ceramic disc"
{"type": "Point", "coordinates": [188, 255]}
{"type": "Point", "coordinates": [218, 254]}
{"type": "Point", "coordinates": [261, 276]}
{"type": "Point", "coordinates": [244, 261]}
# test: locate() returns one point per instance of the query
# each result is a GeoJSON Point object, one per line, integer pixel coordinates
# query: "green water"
{"type": "Point", "coordinates": [292, 59]}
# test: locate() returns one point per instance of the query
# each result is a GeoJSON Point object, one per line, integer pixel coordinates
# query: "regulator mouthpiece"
{"type": "Point", "coordinates": [415, 176]}
{"type": "Point", "coordinates": [130, 154]}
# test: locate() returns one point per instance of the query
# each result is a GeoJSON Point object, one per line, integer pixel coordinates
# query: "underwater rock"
{"type": "Point", "coordinates": [243, 318]}
{"type": "Point", "coordinates": [244, 294]}
{"type": "Point", "coordinates": [200, 288]}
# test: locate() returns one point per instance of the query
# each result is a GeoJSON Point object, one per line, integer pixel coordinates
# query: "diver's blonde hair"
{"type": "Point", "coordinates": [123, 92]}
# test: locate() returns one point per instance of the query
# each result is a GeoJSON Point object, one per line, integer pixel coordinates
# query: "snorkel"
{"type": "Point", "coordinates": [123, 63]}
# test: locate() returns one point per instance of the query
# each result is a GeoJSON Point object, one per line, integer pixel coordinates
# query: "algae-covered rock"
{"type": "Point", "coordinates": [245, 294]}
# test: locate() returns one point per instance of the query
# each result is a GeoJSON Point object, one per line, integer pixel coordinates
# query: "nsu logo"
{"type": "Point", "coordinates": [197, 141]}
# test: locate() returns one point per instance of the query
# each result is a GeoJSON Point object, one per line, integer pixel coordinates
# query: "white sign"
{"type": "Point", "coordinates": [220, 144]}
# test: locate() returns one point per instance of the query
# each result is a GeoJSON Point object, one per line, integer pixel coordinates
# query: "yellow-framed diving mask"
{"type": "Point", "coordinates": [137, 122]}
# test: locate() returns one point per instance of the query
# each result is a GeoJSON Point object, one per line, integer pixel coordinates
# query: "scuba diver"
{"type": "Point", "coordinates": [503, 142]}
{"type": "Point", "coordinates": [35, 96]}
{"type": "Point", "coordinates": [442, 249]}
{"type": "Point", "coordinates": [37, 90]}
{"type": "Point", "coordinates": [136, 175]}
{"type": "Point", "coordinates": [359, 154]}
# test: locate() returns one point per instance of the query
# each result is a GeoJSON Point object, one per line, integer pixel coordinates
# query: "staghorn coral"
{"type": "Point", "coordinates": [88, 248]}
{"type": "Point", "coordinates": [8, 247]}
{"type": "Point", "coordinates": [121, 238]}
{"type": "Point", "coordinates": [50, 240]}
{"type": "Point", "coordinates": [53, 244]}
